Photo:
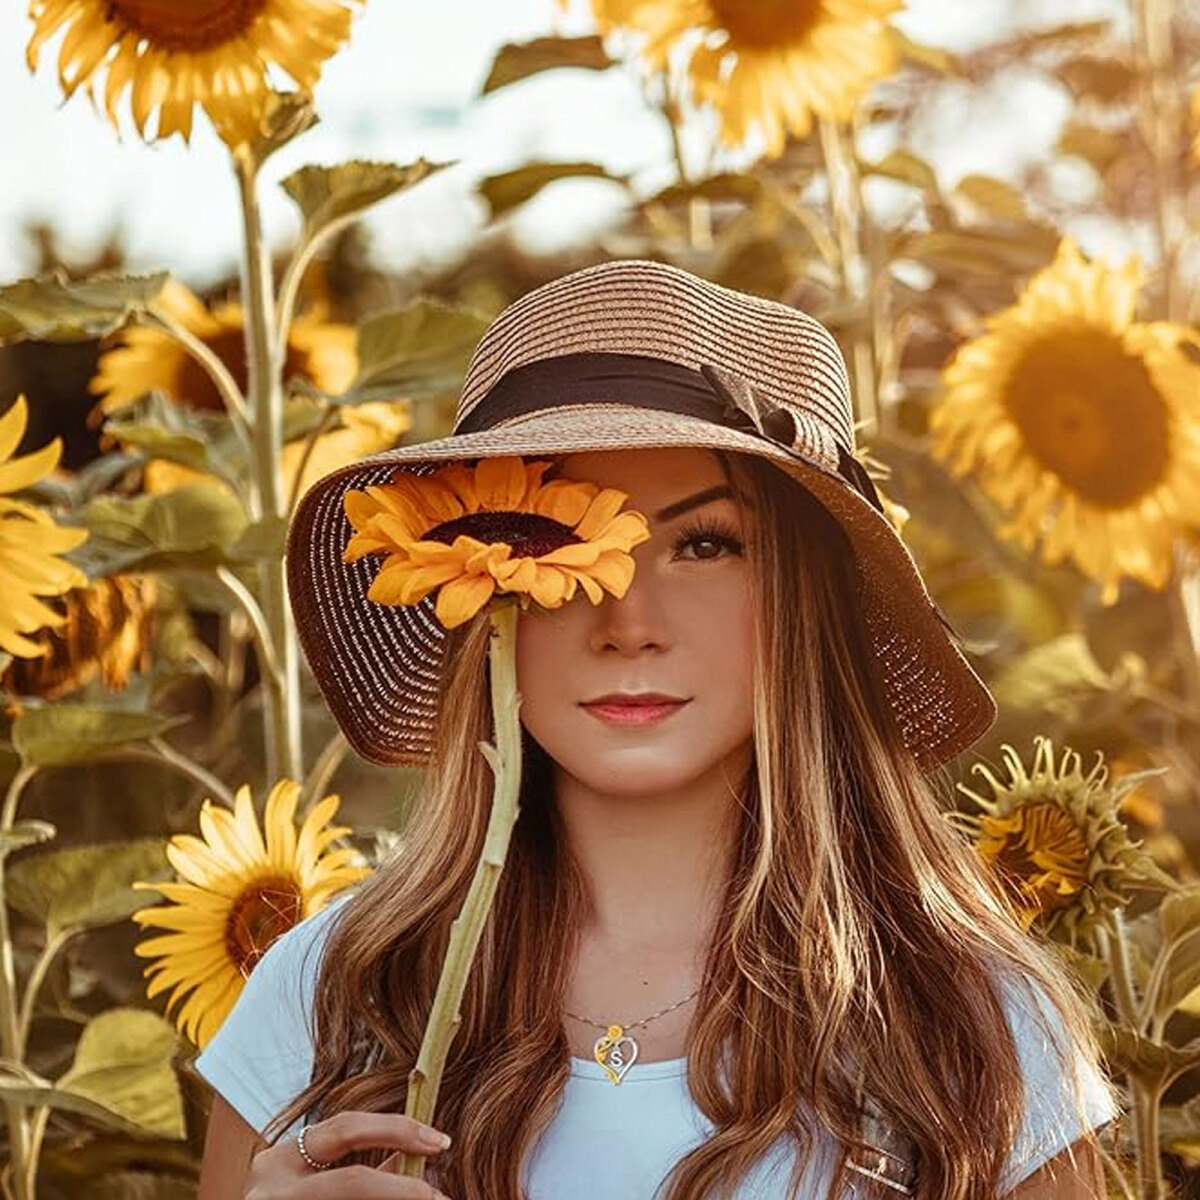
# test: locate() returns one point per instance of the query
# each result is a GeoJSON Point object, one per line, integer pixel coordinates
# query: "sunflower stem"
{"type": "Point", "coordinates": [18, 1115]}
{"type": "Point", "coordinates": [282, 711]}
{"type": "Point", "coordinates": [222, 380]}
{"type": "Point", "coordinates": [504, 757]}
{"type": "Point", "coordinates": [322, 772]}
{"type": "Point", "coordinates": [327, 417]}
{"type": "Point", "coordinates": [1144, 1098]}
{"type": "Point", "coordinates": [845, 202]}
{"type": "Point", "coordinates": [33, 985]}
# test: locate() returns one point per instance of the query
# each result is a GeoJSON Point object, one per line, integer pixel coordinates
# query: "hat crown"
{"type": "Point", "coordinates": [642, 307]}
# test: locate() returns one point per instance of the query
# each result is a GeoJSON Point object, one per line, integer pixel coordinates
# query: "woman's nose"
{"type": "Point", "coordinates": [636, 621]}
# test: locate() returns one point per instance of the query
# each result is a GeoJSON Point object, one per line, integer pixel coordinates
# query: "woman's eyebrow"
{"type": "Point", "coordinates": [720, 492]}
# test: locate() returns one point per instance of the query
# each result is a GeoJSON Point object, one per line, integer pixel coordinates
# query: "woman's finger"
{"type": "Point", "coordinates": [330, 1140]}
{"type": "Point", "coordinates": [364, 1183]}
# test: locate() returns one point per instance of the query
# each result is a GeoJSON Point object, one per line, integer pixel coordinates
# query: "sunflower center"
{"type": "Point", "coordinates": [767, 24]}
{"type": "Point", "coordinates": [268, 907]}
{"type": "Point", "coordinates": [1090, 412]}
{"type": "Point", "coordinates": [529, 534]}
{"type": "Point", "coordinates": [1040, 854]}
{"type": "Point", "coordinates": [191, 27]}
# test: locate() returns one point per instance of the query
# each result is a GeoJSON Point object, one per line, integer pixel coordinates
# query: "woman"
{"type": "Point", "coordinates": [819, 991]}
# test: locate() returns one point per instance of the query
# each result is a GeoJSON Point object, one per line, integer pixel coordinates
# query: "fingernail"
{"type": "Point", "coordinates": [431, 1137]}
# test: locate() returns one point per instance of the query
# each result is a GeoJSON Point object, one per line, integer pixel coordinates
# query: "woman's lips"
{"type": "Point", "coordinates": [634, 714]}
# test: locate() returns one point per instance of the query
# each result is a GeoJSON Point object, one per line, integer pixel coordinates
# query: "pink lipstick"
{"type": "Point", "coordinates": [634, 709]}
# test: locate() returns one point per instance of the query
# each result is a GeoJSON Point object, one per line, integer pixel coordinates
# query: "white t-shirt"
{"type": "Point", "coordinates": [261, 1057]}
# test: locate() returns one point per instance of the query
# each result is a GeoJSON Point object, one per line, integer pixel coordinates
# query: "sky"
{"type": "Point", "coordinates": [407, 85]}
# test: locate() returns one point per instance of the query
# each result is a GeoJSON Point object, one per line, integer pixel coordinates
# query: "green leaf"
{"type": "Point", "coordinates": [189, 527]}
{"type": "Point", "coordinates": [508, 189]}
{"type": "Point", "coordinates": [164, 429]}
{"type": "Point", "coordinates": [415, 352]}
{"type": "Point", "coordinates": [933, 58]}
{"type": "Point", "coordinates": [1156, 1064]}
{"type": "Point", "coordinates": [263, 539]}
{"type": "Point", "coordinates": [727, 186]}
{"type": "Point", "coordinates": [519, 60]}
{"type": "Point", "coordinates": [1106, 79]}
{"type": "Point", "coordinates": [52, 308]}
{"type": "Point", "coordinates": [993, 197]}
{"type": "Point", "coordinates": [952, 251]}
{"type": "Point", "coordinates": [1050, 676]}
{"type": "Point", "coordinates": [329, 195]}
{"type": "Point", "coordinates": [123, 1065]}
{"type": "Point", "coordinates": [33, 1091]}
{"type": "Point", "coordinates": [905, 168]}
{"type": "Point", "coordinates": [287, 116]}
{"type": "Point", "coordinates": [55, 735]}
{"type": "Point", "coordinates": [82, 887]}
{"type": "Point", "coordinates": [25, 833]}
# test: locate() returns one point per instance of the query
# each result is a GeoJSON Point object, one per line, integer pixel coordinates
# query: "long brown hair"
{"type": "Point", "coordinates": [856, 954]}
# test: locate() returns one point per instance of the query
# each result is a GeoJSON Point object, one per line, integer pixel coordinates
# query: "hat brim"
{"type": "Point", "coordinates": [378, 665]}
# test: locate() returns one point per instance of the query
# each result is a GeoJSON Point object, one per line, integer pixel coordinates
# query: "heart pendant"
{"type": "Point", "coordinates": [616, 1052]}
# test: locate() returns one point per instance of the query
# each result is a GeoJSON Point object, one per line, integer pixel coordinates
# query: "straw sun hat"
{"type": "Point", "coordinates": [628, 354]}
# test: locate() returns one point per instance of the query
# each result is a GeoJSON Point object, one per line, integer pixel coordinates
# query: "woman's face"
{"type": "Point", "coordinates": [683, 628]}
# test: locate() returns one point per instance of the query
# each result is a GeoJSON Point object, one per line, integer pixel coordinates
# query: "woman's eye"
{"type": "Point", "coordinates": [708, 544]}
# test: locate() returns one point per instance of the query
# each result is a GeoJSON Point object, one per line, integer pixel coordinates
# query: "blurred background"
{"type": "Point", "coordinates": [993, 206]}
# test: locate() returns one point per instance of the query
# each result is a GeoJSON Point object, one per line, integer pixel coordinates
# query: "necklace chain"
{"type": "Point", "coordinates": [635, 1024]}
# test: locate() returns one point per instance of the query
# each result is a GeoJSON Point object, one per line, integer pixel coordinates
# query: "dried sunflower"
{"type": "Point", "coordinates": [773, 65]}
{"type": "Point", "coordinates": [1083, 421]}
{"type": "Point", "coordinates": [106, 631]}
{"type": "Point", "coordinates": [173, 56]}
{"type": "Point", "coordinates": [235, 896]}
{"type": "Point", "coordinates": [473, 531]}
{"type": "Point", "coordinates": [30, 542]}
{"type": "Point", "coordinates": [1060, 853]}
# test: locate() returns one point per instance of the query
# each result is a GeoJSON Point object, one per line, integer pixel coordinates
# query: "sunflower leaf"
{"type": "Point", "coordinates": [164, 430]}
{"type": "Point", "coordinates": [81, 887]}
{"type": "Point", "coordinates": [33, 1091]}
{"type": "Point", "coordinates": [504, 191]}
{"type": "Point", "coordinates": [25, 833]}
{"type": "Point", "coordinates": [1154, 1063]}
{"type": "Point", "coordinates": [188, 527]}
{"type": "Point", "coordinates": [50, 308]}
{"type": "Point", "coordinates": [287, 116]}
{"type": "Point", "coordinates": [58, 734]}
{"type": "Point", "coordinates": [519, 60]}
{"type": "Point", "coordinates": [329, 197]}
{"type": "Point", "coordinates": [123, 1065]}
{"type": "Point", "coordinates": [1055, 676]}
{"type": "Point", "coordinates": [414, 352]}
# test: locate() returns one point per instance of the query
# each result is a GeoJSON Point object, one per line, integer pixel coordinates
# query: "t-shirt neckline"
{"type": "Point", "coordinates": [586, 1068]}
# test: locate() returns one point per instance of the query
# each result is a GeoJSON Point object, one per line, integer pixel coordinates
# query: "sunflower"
{"type": "Point", "coordinates": [30, 542]}
{"type": "Point", "coordinates": [215, 53]}
{"type": "Point", "coordinates": [320, 351]}
{"type": "Point", "coordinates": [458, 530]}
{"type": "Point", "coordinates": [1084, 421]}
{"type": "Point", "coordinates": [236, 896]}
{"type": "Point", "coordinates": [106, 632]}
{"type": "Point", "coordinates": [1054, 840]}
{"type": "Point", "coordinates": [770, 64]}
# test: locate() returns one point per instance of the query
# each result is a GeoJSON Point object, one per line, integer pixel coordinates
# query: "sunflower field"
{"type": "Point", "coordinates": [1024, 352]}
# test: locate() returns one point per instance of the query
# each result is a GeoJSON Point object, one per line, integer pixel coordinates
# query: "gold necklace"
{"type": "Point", "coordinates": [608, 1050]}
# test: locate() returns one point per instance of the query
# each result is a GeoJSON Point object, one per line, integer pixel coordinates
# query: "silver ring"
{"type": "Point", "coordinates": [304, 1154]}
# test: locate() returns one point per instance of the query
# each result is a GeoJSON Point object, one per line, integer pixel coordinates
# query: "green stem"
{"type": "Point", "coordinates": [504, 757]}
{"type": "Point", "coordinates": [18, 1115]}
{"type": "Point", "coordinates": [845, 204]}
{"type": "Point", "coordinates": [164, 754]}
{"type": "Point", "coordinates": [322, 771]}
{"type": "Point", "coordinates": [222, 380]}
{"type": "Point", "coordinates": [33, 985]}
{"type": "Point", "coordinates": [1144, 1098]}
{"type": "Point", "coordinates": [310, 443]}
{"type": "Point", "coordinates": [284, 755]}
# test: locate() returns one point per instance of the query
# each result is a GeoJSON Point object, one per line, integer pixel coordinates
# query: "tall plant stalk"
{"type": "Point", "coordinates": [281, 676]}
{"type": "Point", "coordinates": [504, 757]}
{"type": "Point", "coordinates": [18, 1116]}
{"type": "Point", "coordinates": [1144, 1099]}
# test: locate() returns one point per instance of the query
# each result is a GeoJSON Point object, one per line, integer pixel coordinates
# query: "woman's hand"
{"type": "Point", "coordinates": [280, 1170]}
